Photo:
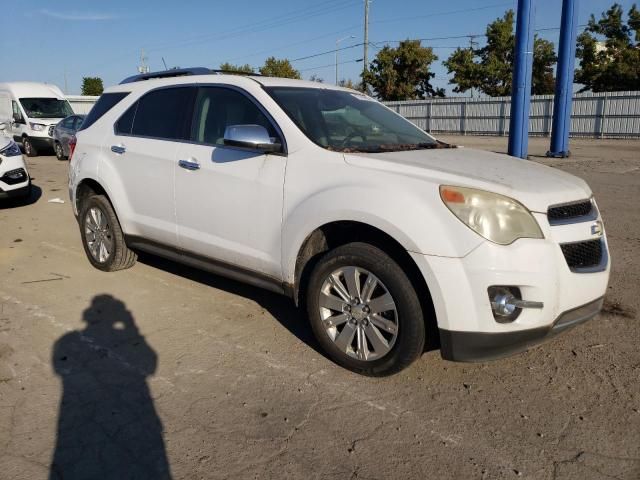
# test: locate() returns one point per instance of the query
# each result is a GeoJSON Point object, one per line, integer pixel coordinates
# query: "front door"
{"type": "Point", "coordinates": [228, 200]}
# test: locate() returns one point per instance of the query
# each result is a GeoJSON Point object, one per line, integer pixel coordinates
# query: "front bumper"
{"type": "Point", "coordinates": [479, 346]}
{"type": "Point", "coordinates": [14, 177]}
{"type": "Point", "coordinates": [538, 267]}
{"type": "Point", "coordinates": [41, 143]}
{"type": "Point", "coordinates": [16, 192]}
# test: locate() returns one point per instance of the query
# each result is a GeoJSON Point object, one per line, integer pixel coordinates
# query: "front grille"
{"type": "Point", "coordinates": [14, 176]}
{"type": "Point", "coordinates": [569, 211]}
{"type": "Point", "coordinates": [583, 255]}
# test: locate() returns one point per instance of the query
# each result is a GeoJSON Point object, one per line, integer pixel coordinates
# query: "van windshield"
{"type": "Point", "coordinates": [46, 107]}
{"type": "Point", "coordinates": [349, 122]}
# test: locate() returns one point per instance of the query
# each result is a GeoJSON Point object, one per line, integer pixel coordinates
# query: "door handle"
{"type": "Point", "coordinates": [119, 149]}
{"type": "Point", "coordinates": [189, 164]}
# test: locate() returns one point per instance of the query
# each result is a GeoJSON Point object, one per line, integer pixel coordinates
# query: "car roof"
{"type": "Point", "coordinates": [229, 79]}
{"type": "Point", "coordinates": [32, 89]}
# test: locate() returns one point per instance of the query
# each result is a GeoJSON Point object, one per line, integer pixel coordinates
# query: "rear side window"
{"type": "Point", "coordinates": [160, 114]}
{"type": "Point", "coordinates": [124, 125]}
{"type": "Point", "coordinates": [105, 103]}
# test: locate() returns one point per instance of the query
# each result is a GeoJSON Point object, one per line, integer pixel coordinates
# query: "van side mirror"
{"type": "Point", "coordinates": [17, 118]}
{"type": "Point", "coordinates": [253, 137]}
{"type": "Point", "coordinates": [3, 126]}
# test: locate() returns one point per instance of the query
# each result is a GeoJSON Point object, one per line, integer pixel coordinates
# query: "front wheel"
{"type": "Point", "coordinates": [28, 147]}
{"type": "Point", "coordinates": [102, 236]}
{"type": "Point", "coordinates": [364, 311]}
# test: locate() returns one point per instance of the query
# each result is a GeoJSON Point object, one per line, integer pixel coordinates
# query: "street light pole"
{"type": "Point", "coordinates": [337, 42]}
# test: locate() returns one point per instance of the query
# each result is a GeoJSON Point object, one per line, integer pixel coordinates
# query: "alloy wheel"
{"type": "Point", "coordinates": [358, 313]}
{"type": "Point", "coordinates": [98, 235]}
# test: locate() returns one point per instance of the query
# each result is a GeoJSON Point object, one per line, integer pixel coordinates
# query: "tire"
{"type": "Point", "coordinates": [118, 256]}
{"type": "Point", "coordinates": [29, 149]}
{"type": "Point", "coordinates": [401, 327]}
{"type": "Point", "coordinates": [59, 151]}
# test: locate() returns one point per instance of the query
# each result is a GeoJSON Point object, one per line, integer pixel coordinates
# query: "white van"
{"type": "Point", "coordinates": [35, 109]}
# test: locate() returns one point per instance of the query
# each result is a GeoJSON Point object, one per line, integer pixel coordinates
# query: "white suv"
{"type": "Point", "coordinates": [388, 237]}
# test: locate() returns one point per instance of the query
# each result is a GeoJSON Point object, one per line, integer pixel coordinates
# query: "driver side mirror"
{"type": "Point", "coordinates": [253, 137]}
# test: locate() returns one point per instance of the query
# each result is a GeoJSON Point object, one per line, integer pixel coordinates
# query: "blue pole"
{"type": "Point", "coordinates": [564, 81]}
{"type": "Point", "coordinates": [521, 87]}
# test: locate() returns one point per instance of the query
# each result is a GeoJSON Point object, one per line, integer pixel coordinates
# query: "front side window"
{"type": "Point", "coordinates": [161, 114]}
{"type": "Point", "coordinates": [216, 108]}
{"type": "Point", "coordinates": [17, 114]}
{"type": "Point", "coordinates": [46, 107]}
{"type": "Point", "coordinates": [349, 122]}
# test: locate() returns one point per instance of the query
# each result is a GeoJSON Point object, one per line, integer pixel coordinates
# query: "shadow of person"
{"type": "Point", "coordinates": [107, 426]}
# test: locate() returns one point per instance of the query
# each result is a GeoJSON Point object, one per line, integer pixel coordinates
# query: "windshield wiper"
{"type": "Point", "coordinates": [394, 147]}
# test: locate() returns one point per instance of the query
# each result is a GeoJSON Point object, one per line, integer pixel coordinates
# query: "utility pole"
{"type": "Point", "coordinates": [472, 44]}
{"type": "Point", "coordinates": [365, 57]}
{"type": "Point", "coordinates": [337, 42]}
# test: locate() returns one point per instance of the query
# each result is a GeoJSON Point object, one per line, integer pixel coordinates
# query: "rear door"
{"type": "Point", "coordinates": [142, 151]}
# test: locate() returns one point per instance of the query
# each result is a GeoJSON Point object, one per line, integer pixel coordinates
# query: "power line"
{"type": "Point", "coordinates": [357, 60]}
{"type": "Point", "coordinates": [327, 52]}
{"type": "Point", "coordinates": [301, 14]}
{"type": "Point", "coordinates": [264, 25]}
{"type": "Point", "coordinates": [439, 14]}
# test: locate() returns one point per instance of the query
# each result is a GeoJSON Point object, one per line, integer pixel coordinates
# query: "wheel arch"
{"type": "Point", "coordinates": [86, 187]}
{"type": "Point", "coordinates": [336, 233]}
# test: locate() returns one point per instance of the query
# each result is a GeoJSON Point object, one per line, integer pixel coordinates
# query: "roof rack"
{"type": "Point", "coordinates": [237, 72]}
{"type": "Point", "coordinates": [176, 72]}
{"type": "Point", "coordinates": [182, 72]}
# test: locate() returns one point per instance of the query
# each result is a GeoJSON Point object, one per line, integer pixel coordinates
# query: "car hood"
{"type": "Point", "coordinates": [46, 121]}
{"type": "Point", "coordinates": [534, 185]}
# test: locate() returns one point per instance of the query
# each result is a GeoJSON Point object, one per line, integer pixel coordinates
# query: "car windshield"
{"type": "Point", "coordinates": [349, 121]}
{"type": "Point", "coordinates": [46, 107]}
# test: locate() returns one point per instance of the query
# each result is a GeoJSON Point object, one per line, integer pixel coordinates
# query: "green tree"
{"type": "Point", "coordinates": [609, 52]}
{"type": "Point", "coordinates": [231, 68]}
{"type": "Point", "coordinates": [279, 68]}
{"type": "Point", "coordinates": [490, 69]}
{"type": "Point", "coordinates": [348, 84]}
{"type": "Point", "coordinates": [92, 86]}
{"type": "Point", "coordinates": [403, 73]}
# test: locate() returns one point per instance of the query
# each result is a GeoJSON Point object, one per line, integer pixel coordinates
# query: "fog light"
{"type": "Point", "coordinates": [507, 303]}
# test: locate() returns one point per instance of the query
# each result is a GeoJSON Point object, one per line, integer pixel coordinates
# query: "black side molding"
{"type": "Point", "coordinates": [208, 264]}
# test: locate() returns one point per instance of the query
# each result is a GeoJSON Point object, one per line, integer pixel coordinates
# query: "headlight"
{"type": "Point", "coordinates": [38, 127]}
{"type": "Point", "coordinates": [11, 150]}
{"type": "Point", "coordinates": [495, 217]}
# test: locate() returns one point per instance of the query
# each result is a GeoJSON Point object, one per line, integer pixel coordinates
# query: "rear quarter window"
{"type": "Point", "coordinates": [105, 103]}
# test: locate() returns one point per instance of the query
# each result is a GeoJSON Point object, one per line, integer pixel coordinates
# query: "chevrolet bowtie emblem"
{"type": "Point", "coordinates": [596, 228]}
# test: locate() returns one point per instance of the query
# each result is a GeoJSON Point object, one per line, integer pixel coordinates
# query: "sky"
{"type": "Point", "coordinates": [61, 42]}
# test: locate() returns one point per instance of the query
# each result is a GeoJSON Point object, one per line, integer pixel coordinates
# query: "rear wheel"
{"type": "Point", "coordinates": [102, 235]}
{"type": "Point", "coordinates": [28, 147]}
{"type": "Point", "coordinates": [364, 310]}
{"type": "Point", "coordinates": [59, 151]}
